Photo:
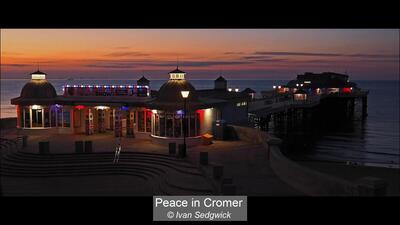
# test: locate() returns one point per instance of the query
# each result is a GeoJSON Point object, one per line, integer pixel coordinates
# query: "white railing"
{"type": "Point", "coordinates": [261, 104]}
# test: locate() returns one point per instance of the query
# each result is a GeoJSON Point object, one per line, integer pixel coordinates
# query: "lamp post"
{"type": "Point", "coordinates": [185, 95]}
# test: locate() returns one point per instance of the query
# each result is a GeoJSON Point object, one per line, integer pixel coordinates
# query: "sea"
{"type": "Point", "coordinates": [374, 142]}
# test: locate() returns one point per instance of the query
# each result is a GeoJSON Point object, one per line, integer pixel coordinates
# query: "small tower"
{"type": "Point", "coordinates": [177, 74]}
{"type": "Point", "coordinates": [38, 75]}
{"type": "Point", "coordinates": [143, 82]}
{"type": "Point", "coordinates": [220, 83]}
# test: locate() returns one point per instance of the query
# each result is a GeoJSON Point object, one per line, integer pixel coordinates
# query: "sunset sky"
{"type": "Point", "coordinates": [202, 53]}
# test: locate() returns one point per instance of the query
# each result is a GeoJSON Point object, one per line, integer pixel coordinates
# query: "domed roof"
{"type": "Point", "coordinates": [220, 78]}
{"type": "Point", "coordinates": [170, 92]}
{"type": "Point", "coordinates": [38, 89]}
{"type": "Point", "coordinates": [169, 96]}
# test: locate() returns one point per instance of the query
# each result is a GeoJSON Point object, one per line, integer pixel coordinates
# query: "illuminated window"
{"type": "Point", "coordinates": [59, 117]}
{"type": "Point", "coordinates": [178, 125]}
{"type": "Point", "coordinates": [148, 121]}
{"type": "Point", "coordinates": [162, 124]}
{"type": "Point", "coordinates": [141, 125]}
{"type": "Point", "coordinates": [27, 117]}
{"type": "Point", "coordinates": [37, 118]}
{"type": "Point", "coordinates": [177, 76]}
{"type": "Point", "coordinates": [66, 118]}
{"type": "Point", "coordinates": [169, 123]}
{"type": "Point", "coordinates": [192, 125]}
{"type": "Point", "coordinates": [46, 117]}
{"type": "Point", "coordinates": [172, 124]}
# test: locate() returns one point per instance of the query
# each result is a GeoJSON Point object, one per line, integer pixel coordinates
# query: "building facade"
{"type": "Point", "coordinates": [128, 110]}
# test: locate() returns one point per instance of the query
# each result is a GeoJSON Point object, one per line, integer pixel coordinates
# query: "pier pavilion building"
{"type": "Point", "coordinates": [132, 110]}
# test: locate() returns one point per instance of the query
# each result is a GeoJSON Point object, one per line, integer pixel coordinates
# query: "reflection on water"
{"type": "Point", "coordinates": [361, 142]}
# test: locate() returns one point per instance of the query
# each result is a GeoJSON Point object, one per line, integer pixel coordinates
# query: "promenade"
{"type": "Point", "coordinates": [144, 169]}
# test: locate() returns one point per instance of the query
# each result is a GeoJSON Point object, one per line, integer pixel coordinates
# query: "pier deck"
{"type": "Point", "coordinates": [273, 105]}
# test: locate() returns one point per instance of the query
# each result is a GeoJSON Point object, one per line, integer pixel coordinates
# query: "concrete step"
{"type": "Point", "coordinates": [67, 163]}
{"type": "Point", "coordinates": [95, 156]}
{"type": "Point", "coordinates": [170, 175]}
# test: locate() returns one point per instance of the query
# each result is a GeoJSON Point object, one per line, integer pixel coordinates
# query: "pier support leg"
{"type": "Point", "coordinates": [364, 107]}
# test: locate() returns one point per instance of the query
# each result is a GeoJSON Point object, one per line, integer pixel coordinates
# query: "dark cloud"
{"type": "Point", "coordinates": [373, 56]}
{"type": "Point", "coordinates": [126, 53]}
{"type": "Point", "coordinates": [356, 55]}
{"type": "Point", "coordinates": [112, 65]}
{"type": "Point", "coordinates": [297, 54]}
{"type": "Point", "coordinates": [271, 60]}
{"type": "Point", "coordinates": [118, 64]}
{"type": "Point", "coordinates": [233, 53]}
{"type": "Point", "coordinates": [17, 65]}
{"type": "Point", "coordinates": [202, 63]}
{"type": "Point", "coordinates": [252, 57]}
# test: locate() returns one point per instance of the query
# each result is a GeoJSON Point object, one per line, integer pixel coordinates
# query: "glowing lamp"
{"type": "Point", "coordinates": [274, 87]}
{"type": "Point", "coordinates": [177, 76]}
{"type": "Point", "coordinates": [229, 89]}
{"type": "Point", "coordinates": [101, 107]}
{"type": "Point", "coordinates": [154, 111]}
{"type": "Point", "coordinates": [38, 76]}
{"type": "Point", "coordinates": [236, 89]}
{"type": "Point", "coordinates": [36, 107]}
{"type": "Point", "coordinates": [185, 94]}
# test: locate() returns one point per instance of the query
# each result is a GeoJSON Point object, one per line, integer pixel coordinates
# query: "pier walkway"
{"type": "Point", "coordinates": [273, 104]}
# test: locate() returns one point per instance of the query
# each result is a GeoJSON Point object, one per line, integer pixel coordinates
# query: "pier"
{"type": "Point", "coordinates": [309, 102]}
{"type": "Point", "coordinates": [278, 113]}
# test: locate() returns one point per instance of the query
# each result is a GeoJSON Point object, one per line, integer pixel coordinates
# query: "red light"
{"type": "Point", "coordinates": [79, 107]}
{"type": "Point", "coordinates": [346, 90]}
{"type": "Point", "coordinates": [201, 115]}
